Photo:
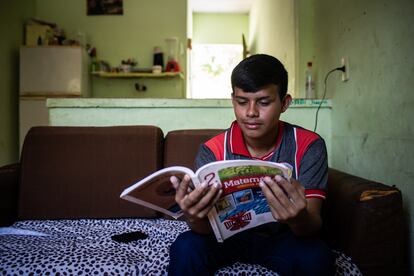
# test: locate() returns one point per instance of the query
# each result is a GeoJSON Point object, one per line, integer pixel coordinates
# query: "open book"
{"type": "Point", "coordinates": [241, 206]}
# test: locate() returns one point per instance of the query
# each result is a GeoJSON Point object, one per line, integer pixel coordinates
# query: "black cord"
{"type": "Point", "coordinates": [324, 93]}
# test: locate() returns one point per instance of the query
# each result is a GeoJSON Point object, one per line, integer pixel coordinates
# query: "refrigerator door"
{"type": "Point", "coordinates": [53, 71]}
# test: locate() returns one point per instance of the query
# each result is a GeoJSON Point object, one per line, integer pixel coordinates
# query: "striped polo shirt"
{"type": "Point", "coordinates": [304, 150]}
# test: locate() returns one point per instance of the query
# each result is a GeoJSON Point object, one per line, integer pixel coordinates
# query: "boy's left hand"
{"type": "Point", "coordinates": [286, 199]}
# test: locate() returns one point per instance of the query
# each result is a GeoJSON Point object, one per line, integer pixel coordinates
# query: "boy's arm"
{"type": "Point", "coordinates": [202, 226]}
{"type": "Point", "coordinates": [288, 201]}
{"type": "Point", "coordinates": [288, 205]}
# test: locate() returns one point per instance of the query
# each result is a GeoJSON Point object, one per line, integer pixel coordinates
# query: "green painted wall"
{"type": "Point", "coordinates": [372, 130]}
{"type": "Point", "coordinates": [305, 14]}
{"type": "Point", "coordinates": [12, 16]}
{"type": "Point", "coordinates": [272, 31]}
{"type": "Point", "coordinates": [192, 113]}
{"type": "Point", "coordinates": [371, 134]}
{"type": "Point", "coordinates": [134, 34]}
{"type": "Point", "coordinates": [220, 28]}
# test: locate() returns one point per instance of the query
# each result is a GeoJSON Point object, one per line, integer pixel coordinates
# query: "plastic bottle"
{"type": "Point", "coordinates": [310, 82]}
{"type": "Point", "coordinates": [158, 57]}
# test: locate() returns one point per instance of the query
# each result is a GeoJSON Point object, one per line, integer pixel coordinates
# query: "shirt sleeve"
{"type": "Point", "coordinates": [204, 156]}
{"type": "Point", "coordinates": [314, 169]}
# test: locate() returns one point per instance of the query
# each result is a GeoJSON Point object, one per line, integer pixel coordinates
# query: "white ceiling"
{"type": "Point", "coordinates": [216, 6]}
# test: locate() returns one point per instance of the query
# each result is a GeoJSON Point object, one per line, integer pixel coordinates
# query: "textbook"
{"type": "Point", "coordinates": [241, 206]}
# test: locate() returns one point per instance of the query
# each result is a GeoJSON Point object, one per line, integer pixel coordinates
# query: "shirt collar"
{"type": "Point", "coordinates": [238, 146]}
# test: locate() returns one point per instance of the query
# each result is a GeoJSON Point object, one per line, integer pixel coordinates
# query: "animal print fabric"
{"type": "Point", "coordinates": [85, 247]}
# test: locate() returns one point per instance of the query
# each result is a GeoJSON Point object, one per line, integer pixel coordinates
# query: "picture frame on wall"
{"type": "Point", "coordinates": [104, 7]}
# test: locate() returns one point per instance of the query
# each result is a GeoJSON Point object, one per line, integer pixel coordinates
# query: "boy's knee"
{"type": "Point", "coordinates": [188, 255]}
{"type": "Point", "coordinates": [318, 259]}
{"type": "Point", "coordinates": [187, 242]}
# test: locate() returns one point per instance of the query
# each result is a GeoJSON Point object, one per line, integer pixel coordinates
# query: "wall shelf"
{"type": "Point", "coordinates": [137, 75]}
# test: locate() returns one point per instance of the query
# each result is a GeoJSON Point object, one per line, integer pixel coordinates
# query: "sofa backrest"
{"type": "Point", "coordinates": [181, 146]}
{"type": "Point", "coordinates": [79, 172]}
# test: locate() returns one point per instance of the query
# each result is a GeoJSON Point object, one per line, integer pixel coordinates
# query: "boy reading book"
{"type": "Point", "coordinates": [290, 245]}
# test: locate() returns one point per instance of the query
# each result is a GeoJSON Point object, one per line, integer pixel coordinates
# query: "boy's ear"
{"type": "Point", "coordinates": [286, 102]}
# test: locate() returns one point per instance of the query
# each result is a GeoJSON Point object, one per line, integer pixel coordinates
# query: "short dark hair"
{"type": "Point", "coordinates": [258, 71]}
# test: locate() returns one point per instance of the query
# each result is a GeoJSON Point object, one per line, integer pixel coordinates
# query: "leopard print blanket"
{"type": "Point", "coordinates": [75, 247]}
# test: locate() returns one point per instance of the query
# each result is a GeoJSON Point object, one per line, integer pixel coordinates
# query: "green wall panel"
{"type": "Point", "coordinates": [220, 28]}
{"type": "Point", "coordinates": [372, 130]}
{"type": "Point", "coordinates": [144, 25]}
{"type": "Point", "coordinates": [12, 16]}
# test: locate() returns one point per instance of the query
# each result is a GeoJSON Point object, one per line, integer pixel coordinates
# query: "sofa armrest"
{"type": "Point", "coordinates": [9, 180]}
{"type": "Point", "coordinates": [365, 220]}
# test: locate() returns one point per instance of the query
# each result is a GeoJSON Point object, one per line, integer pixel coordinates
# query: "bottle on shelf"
{"type": "Point", "coordinates": [158, 59]}
{"type": "Point", "coordinates": [309, 82]}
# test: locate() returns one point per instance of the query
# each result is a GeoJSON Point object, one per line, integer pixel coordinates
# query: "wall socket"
{"type": "Point", "coordinates": [345, 62]}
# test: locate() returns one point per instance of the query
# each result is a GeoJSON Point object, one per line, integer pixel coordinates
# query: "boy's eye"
{"type": "Point", "coordinates": [241, 102]}
{"type": "Point", "coordinates": [264, 103]}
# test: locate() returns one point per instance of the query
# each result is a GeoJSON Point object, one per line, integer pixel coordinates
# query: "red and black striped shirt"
{"type": "Point", "coordinates": [303, 149]}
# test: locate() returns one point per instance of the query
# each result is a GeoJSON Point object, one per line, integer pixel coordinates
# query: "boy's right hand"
{"type": "Point", "coordinates": [198, 202]}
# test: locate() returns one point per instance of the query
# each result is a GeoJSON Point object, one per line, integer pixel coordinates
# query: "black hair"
{"type": "Point", "coordinates": [257, 71]}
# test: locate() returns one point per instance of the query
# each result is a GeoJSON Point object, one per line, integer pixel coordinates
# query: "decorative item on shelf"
{"type": "Point", "coordinates": [40, 32]}
{"type": "Point", "coordinates": [172, 66]}
{"type": "Point", "coordinates": [94, 61]}
{"type": "Point", "coordinates": [172, 63]}
{"type": "Point", "coordinates": [99, 67]}
{"type": "Point", "coordinates": [126, 68]}
{"type": "Point", "coordinates": [127, 65]}
{"type": "Point", "coordinates": [91, 51]}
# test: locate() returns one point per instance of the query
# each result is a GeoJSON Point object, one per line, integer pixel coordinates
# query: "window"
{"type": "Point", "coordinates": [211, 67]}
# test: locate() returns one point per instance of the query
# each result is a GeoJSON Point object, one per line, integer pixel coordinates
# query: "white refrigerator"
{"type": "Point", "coordinates": [49, 72]}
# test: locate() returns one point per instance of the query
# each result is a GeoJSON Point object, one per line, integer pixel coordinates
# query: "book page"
{"type": "Point", "coordinates": [157, 192]}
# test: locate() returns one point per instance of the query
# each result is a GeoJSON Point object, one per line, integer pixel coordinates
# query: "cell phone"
{"type": "Point", "coordinates": [129, 236]}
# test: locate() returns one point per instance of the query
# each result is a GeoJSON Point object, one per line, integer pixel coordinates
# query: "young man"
{"type": "Point", "coordinates": [288, 246]}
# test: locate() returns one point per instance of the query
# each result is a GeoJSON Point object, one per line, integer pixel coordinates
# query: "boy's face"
{"type": "Point", "coordinates": [258, 113]}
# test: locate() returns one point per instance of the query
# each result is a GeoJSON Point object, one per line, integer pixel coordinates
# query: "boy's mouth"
{"type": "Point", "coordinates": [252, 125]}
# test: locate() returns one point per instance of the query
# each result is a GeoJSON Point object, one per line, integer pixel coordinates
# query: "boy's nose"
{"type": "Point", "coordinates": [252, 110]}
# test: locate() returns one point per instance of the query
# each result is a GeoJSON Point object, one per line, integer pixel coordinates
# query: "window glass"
{"type": "Point", "coordinates": [211, 67]}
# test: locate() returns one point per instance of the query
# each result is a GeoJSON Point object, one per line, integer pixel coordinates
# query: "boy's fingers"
{"type": "Point", "coordinates": [209, 198]}
{"type": "Point", "coordinates": [269, 193]}
{"type": "Point", "coordinates": [216, 197]}
{"type": "Point", "coordinates": [195, 196]}
{"type": "Point", "coordinates": [294, 190]}
{"type": "Point", "coordinates": [207, 202]}
{"type": "Point", "coordinates": [273, 202]}
{"type": "Point", "coordinates": [277, 196]}
{"type": "Point", "coordinates": [174, 181]}
{"type": "Point", "coordinates": [182, 187]}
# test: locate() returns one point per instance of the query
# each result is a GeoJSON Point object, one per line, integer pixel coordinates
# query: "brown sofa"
{"type": "Point", "coordinates": [69, 175]}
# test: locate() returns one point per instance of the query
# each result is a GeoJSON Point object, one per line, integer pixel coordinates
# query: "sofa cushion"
{"type": "Point", "coordinates": [85, 247]}
{"type": "Point", "coordinates": [181, 146]}
{"type": "Point", "coordinates": [79, 172]}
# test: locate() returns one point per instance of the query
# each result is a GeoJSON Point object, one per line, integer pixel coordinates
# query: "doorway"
{"type": "Point", "coordinates": [216, 29]}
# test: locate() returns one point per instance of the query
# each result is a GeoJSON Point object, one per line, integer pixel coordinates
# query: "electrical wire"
{"type": "Point", "coordinates": [324, 93]}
